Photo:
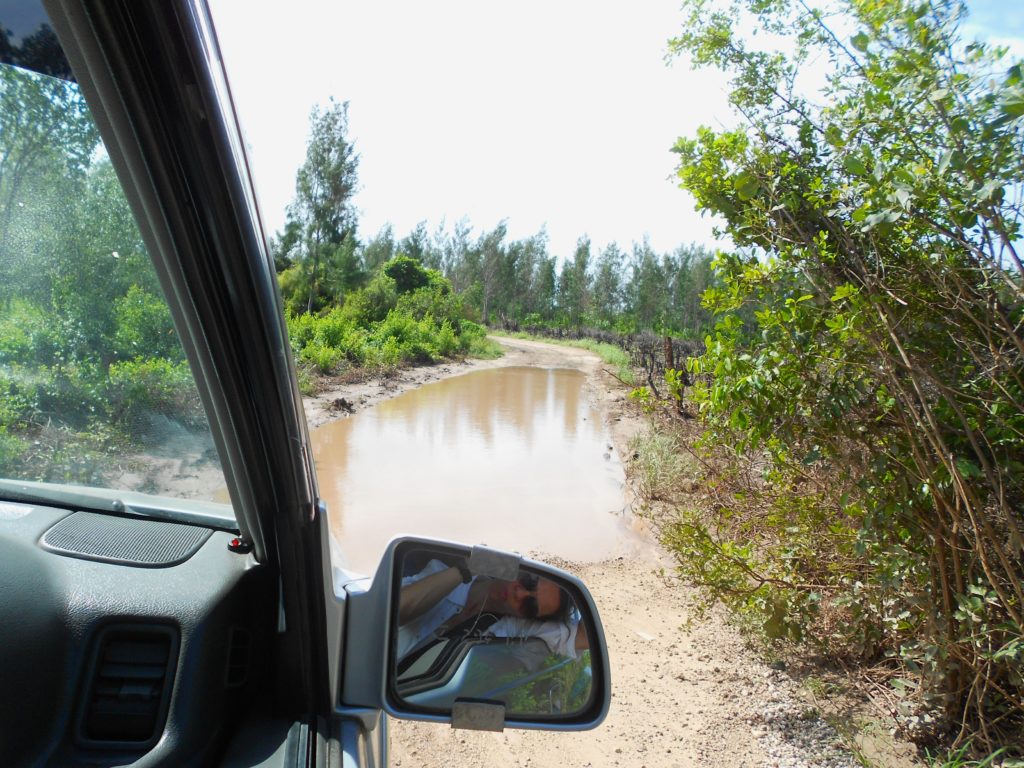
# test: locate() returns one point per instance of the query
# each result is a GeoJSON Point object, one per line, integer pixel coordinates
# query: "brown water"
{"type": "Point", "coordinates": [515, 458]}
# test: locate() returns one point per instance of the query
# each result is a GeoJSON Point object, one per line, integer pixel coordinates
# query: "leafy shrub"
{"type": "Point", "coordinates": [144, 327]}
{"type": "Point", "coordinates": [413, 339]}
{"type": "Point", "coordinates": [72, 394]}
{"type": "Point", "coordinates": [19, 397]}
{"type": "Point", "coordinates": [438, 303]}
{"type": "Point", "coordinates": [869, 428]}
{"type": "Point", "coordinates": [337, 330]}
{"type": "Point", "coordinates": [407, 273]}
{"type": "Point", "coordinates": [139, 388]}
{"type": "Point", "coordinates": [325, 359]}
{"type": "Point", "coordinates": [28, 335]}
{"type": "Point", "coordinates": [12, 448]}
{"type": "Point", "coordinates": [301, 329]}
{"type": "Point", "coordinates": [381, 326]}
{"type": "Point", "coordinates": [447, 341]}
{"type": "Point", "coordinates": [474, 342]}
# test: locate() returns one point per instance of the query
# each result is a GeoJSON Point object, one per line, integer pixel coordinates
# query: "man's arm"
{"type": "Point", "coordinates": [419, 597]}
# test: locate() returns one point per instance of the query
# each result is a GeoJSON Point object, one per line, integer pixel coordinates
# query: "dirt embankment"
{"type": "Point", "coordinates": [682, 695]}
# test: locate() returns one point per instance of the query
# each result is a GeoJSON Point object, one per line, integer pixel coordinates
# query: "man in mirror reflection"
{"type": "Point", "coordinates": [441, 598]}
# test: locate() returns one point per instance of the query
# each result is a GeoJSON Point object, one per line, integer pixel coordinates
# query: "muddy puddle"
{"type": "Point", "coordinates": [515, 458]}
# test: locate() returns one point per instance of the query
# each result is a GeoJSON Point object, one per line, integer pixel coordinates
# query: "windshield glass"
{"type": "Point", "coordinates": [94, 386]}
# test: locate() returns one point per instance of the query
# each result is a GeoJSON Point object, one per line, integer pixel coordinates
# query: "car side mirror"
{"type": "Point", "coordinates": [477, 637]}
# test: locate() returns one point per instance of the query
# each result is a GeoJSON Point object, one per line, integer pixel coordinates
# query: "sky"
{"type": "Point", "coordinates": [557, 114]}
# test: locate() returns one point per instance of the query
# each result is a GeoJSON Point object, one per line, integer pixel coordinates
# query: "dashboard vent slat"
{"type": "Point", "coordinates": [132, 672]}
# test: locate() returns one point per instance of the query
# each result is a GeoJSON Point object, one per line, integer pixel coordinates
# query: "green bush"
{"type": "Point", "coordinates": [406, 315]}
{"type": "Point", "coordinates": [301, 329]}
{"type": "Point", "coordinates": [144, 327]}
{"type": "Point", "coordinates": [867, 427]}
{"type": "Point", "coordinates": [12, 448]}
{"type": "Point", "coordinates": [447, 340]}
{"type": "Point", "coordinates": [338, 331]}
{"type": "Point", "coordinates": [474, 342]}
{"type": "Point", "coordinates": [413, 339]}
{"type": "Point", "coordinates": [139, 388]}
{"type": "Point", "coordinates": [325, 359]}
{"type": "Point", "coordinates": [19, 397]}
{"type": "Point", "coordinates": [407, 273]}
{"type": "Point", "coordinates": [28, 335]}
{"type": "Point", "coordinates": [72, 394]}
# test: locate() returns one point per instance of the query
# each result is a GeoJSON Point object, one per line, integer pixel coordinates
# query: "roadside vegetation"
{"type": "Point", "coordinates": [859, 444]}
{"type": "Point", "coordinates": [88, 354]}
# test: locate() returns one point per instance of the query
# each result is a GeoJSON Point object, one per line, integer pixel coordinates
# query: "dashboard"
{"type": "Point", "coordinates": [128, 639]}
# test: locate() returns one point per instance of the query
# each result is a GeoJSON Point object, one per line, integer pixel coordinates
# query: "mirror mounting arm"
{"type": "Point", "coordinates": [478, 715]}
{"type": "Point", "coordinates": [484, 561]}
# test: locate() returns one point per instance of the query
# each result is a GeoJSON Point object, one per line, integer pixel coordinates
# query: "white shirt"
{"type": "Point", "coordinates": [413, 633]}
{"type": "Point", "coordinates": [559, 637]}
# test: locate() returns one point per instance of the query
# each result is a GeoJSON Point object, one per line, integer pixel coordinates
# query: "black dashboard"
{"type": "Point", "coordinates": [127, 640]}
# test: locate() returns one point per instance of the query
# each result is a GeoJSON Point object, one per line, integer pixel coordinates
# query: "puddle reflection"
{"type": "Point", "coordinates": [515, 458]}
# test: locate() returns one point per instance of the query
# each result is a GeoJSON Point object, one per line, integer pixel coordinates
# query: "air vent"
{"type": "Point", "coordinates": [130, 685]}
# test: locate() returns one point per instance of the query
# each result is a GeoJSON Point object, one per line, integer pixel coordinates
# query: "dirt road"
{"type": "Point", "coordinates": [681, 697]}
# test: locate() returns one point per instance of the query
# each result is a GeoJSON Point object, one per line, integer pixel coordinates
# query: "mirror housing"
{"type": "Point", "coordinates": [514, 669]}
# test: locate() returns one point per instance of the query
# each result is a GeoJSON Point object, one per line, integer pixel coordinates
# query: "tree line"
{"type": "Point", "coordinates": [321, 259]}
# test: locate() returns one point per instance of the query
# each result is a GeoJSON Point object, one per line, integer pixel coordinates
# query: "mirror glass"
{"type": "Point", "coordinates": [492, 631]}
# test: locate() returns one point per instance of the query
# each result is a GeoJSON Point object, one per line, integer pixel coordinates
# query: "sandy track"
{"type": "Point", "coordinates": [681, 696]}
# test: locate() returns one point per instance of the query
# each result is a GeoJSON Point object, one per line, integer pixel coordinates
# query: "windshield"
{"type": "Point", "coordinates": [94, 386]}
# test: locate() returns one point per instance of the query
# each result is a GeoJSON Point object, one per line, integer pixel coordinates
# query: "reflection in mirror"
{"type": "Point", "coordinates": [464, 635]}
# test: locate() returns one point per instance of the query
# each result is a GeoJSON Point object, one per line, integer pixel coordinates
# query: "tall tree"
{"type": "Point", "coordinates": [493, 252]}
{"type": "Point", "coordinates": [574, 284]}
{"type": "Point", "coordinates": [416, 245]}
{"type": "Point", "coordinates": [47, 139]}
{"type": "Point", "coordinates": [648, 288]}
{"type": "Point", "coordinates": [324, 187]}
{"type": "Point", "coordinates": [607, 289]}
{"type": "Point", "coordinates": [545, 286]}
{"type": "Point", "coordinates": [381, 248]}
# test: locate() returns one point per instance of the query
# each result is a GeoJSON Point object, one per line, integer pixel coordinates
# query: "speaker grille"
{"type": "Point", "coordinates": [125, 540]}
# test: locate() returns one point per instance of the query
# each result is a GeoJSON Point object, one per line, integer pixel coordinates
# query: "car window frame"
{"type": "Point", "coordinates": [152, 75]}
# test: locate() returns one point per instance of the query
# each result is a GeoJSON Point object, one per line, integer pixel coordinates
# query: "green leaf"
{"type": "Point", "coordinates": [988, 189]}
{"type": "Point", "coordinates": [968, 468]}
{"type": "Point", "coordinates": [746, 185]}
{"type": "Point", "coordinates": [844, 291]}
{"type": "Point", "coordinates": [860, 42]}
{"type": "Point", "coordinates": [1013, 102]}
{"type": "Point", "coordinates": [854, 165]}
{"type": "Point", "coordinates": [965, 218]}
{"type": "Point", "coordinates": [944, 161]}
{"type": "Point", "coordinates": [811, 457]}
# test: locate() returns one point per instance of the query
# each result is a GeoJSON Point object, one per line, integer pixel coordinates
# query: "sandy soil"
{"type": "Point", "coordinates": [683, 695]}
